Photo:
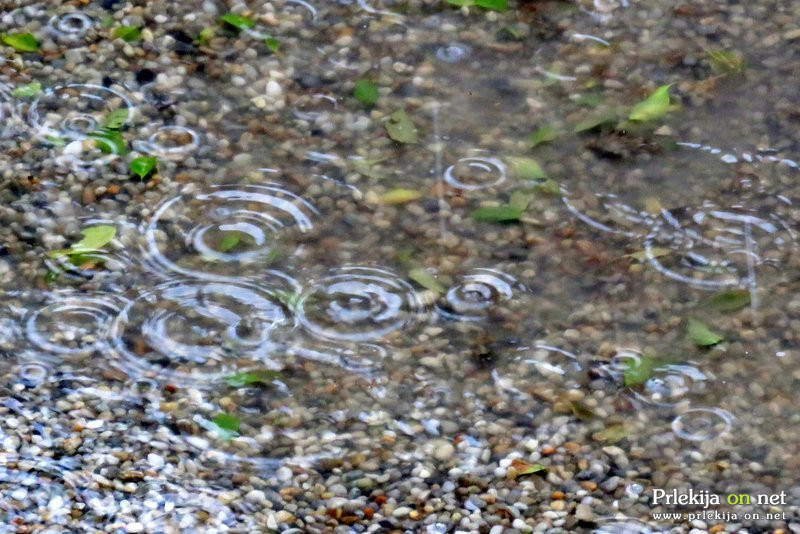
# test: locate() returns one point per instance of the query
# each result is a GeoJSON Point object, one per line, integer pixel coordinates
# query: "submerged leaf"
{"type": "Point", "coordinates": [524, 468]}
{"type": "Point", "coordinates": [494, 5]}
{"type": "Point", "coordinates": [239, 22]}
{"type": "Point", "coordinates": [639, 371]}
{"type": "Point", "coordinates": [652, 252]}
{"type": "Point", "coordinates": [596, 120]}
{"type": "Point", "coordinates": [426, 280]}
{"type": "Point", "coordinates": [500, 214]}
{"type": "Point", "coordinates": [116, 119]}
{"type": "Point", "coordinates": [249, 378]}
{"type": "Point", "coordinates": [227, 425]}
{"type": "Point", "coordinates": [526, 168]}
{"type": "Point", "coordinates": [142, 166]}
{"type": "Point", "coordinates": [729, 300]}
{"type": "Point", "coordinates": [725, 63]}
{"type": "Point", "coordinates": [544, 134]}
{"type": "Point", "coordinates": [366, 92]}
{"type": "Point", "coordinates": [21, 42]}
{"type": "Point", "coordinates": [27, 91]}
{"type": "Point", "coordinates": [581, 411]}
{"type": "Point", "coordinates": [127, 33]}
{"type": "Point", "coordinates": [272, 44]}
{"type": "Point", "coordinates": [109, 141]}
{"type": "Point", "coordinates": [399, 196]}
{"type": "Point", "coordinates": [612, 434]}
{"type": "Point", "coordinates": [701, 335]}
{"type": "Point", "coordinates": [228, 242]}
{"type": "Point", "coordinates": [653, 107]}
{"type": "Point", "coordinates": [521, 199]}
{"type": "Point", "coordinates": [401, 128]}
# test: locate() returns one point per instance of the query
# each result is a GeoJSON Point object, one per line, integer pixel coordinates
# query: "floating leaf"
{"type": "Point", "coordinates": [639, 371]}
{"type": "Point", "coordinates": [272, 44]}
{"type": "Point", "coordinates": [366, 92]}
{"type": "Point", "coordinates": [426, 280]}
{"type": "Point", "coordinates": [94, 238]}
{"type": "Point", "coordinates": [653, 107]}
{"type": "Point", "coordinates": [116, 119]}
{"type": "Point", "coordinates": [701, 335]}
{"type": "Point", "coordinates": [21, 42]}
{"type": "Point", "coordinates": [250, 378]}
{"type": "Point", "coordinates": [27, 91]}
{"type": "Point", "coordinates": [399, 196]}
{"type": "Point", "coordinates": [239, 22]}
{"type": "Point", "coordinates": [500, 214]}
{"type": "Point", "coordinates": [526, 168]}
{"type": "Point", "coordinates": [461, 3]}
{"type": "Point", "coordinates": [729, 300]}
{"type": "Point", "coordinates": [127, 33]}
{"type": "Point", "coordinates": [725, 63]}
{"type": "Point", "coordinates": [543, 134]}
{"type": "Point", "coordinates": [227, 425]}
{"type": "Point", "coordinates": [652, 252]}
{"type": "Point", "coordinates": [142, 166]}
{"type": "Point", "coordinates": [401, 128]}
{"type": "Point", "coordinates": [109, 141]}
{"type": "Point", "coordinates": [612, 434]}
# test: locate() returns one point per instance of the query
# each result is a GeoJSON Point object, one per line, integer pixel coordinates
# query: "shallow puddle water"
{"type": "Point", "coordinates": [477, 266]}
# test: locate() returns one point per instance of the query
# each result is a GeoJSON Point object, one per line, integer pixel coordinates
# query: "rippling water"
{"type": "Point", "coordinates": [289, 290]}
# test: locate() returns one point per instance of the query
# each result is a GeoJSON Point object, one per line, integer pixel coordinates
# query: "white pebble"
{"type": "Point", "coordinates": [274, 89]}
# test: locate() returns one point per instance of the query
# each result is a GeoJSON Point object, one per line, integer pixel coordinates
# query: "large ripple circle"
{"type": "Point", "coordinates": [225, 232]}
{"type": "Point", "coordinates": [358, 303]}
{"type": "Point", "coordinates": [197, 332]}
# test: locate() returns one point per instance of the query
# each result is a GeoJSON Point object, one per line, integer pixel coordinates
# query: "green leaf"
{"type": "Point", "coordinates": [250, 378]}
{"type": "Point", "coordinates": [499, 214]}
{"type": "Point", "coordinates": [399, 196]}
{"type": "Point", "coordinates": [205, 35]}
{"type": "Point", "coordinates": [366, 92]}
{"type": "Point", "coordinates": [612, 434]}
{"type": "Point", "coordinates": [116, 119]}
{"type": "Point", "coordinates": [27, 91]}
{"type": "Point", "coordinates": [639, 371]}
{"type": "Point", "coordinates": [227, 425]}
{"type": "Point", "coordinates": [653, 107]}
{"type": "Point", "coordinates": [526, 168]}
{"type": "Point", "coordinates": [127, 33]}
{"type": "Point", "coordinates": [513, 32]}
{"type": "Point", "coordinates": [401, 128]}
{"type": "Point", "coordinates": [725, 63]}
{"type": "Point", "coordinates": [229, 241]}
{"type": "Point", "coordinates": [239, 22]}
{"type": "Point", "coordinates": [142, 166]}
{"type": "Point", "coordinates": [461, 3]}
{"type": "Point", "coordinates": [548, 186]}
{"type": "Point", "coordinates": [110, 141]}
{"type": "Point", "coordinates": [531, 469]}
{"type": "Point", "coordinates": [729, 300]}
{"type": "Point", "coordinates": [581, 411]}
{"type": "Point", "coordinates": [543, 134]}
{"type": "Point", "coordinates": [494, 5]}
{"type": "Point", "coordinates": [94, 238]}
{"type": "Point", "coordinates": [596, 120]}
{"type": "Point", "coordinates": [289, 299]}
{"type": "Point", "coordinates": [272, 44]}
{"type": "Point", "coordinates": [21, 42]}
{"type": "Point", "coordinates": [426, 280]}
{"type": "Point", "coordinates": [521, 199]}
{"type": "Point", "coordinates": [701, 335]}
